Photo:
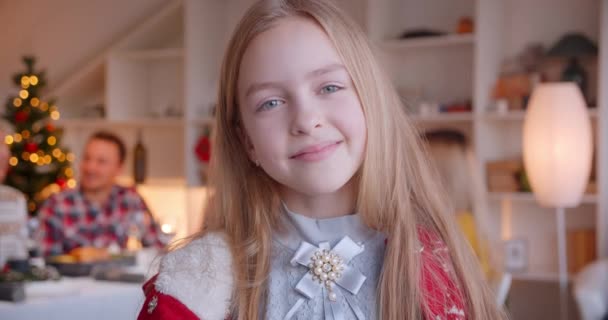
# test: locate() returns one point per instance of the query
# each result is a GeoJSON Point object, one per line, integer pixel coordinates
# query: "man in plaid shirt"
{"type": "Point", "coordinates": [98, 213]}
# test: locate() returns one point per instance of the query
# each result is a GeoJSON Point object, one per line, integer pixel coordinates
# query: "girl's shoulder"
{"type": "Point", "coordinates": [194, 282]}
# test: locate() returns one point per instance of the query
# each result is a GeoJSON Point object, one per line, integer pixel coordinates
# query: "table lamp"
{"type": "Point", "coordinates": [557, 149]}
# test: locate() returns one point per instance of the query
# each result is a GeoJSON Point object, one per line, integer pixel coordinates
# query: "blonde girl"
{"type": "Point", "coordinates": [324, 205]}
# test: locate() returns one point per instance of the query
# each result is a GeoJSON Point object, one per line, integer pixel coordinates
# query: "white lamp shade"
{"type": "Point", "coordinates": [557, 144]}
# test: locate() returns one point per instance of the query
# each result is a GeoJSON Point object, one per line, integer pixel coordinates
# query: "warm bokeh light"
{"type": "Point", "coordinates": [18, 137]}
{"type": "Point", "coordinates": [24, 94]}
{"type": "Point", "coordinates": [34, 157]}
{"type": "Point", "coordinates": [44, 106]}
{"type": "Point", "coordinates": [34, 80]}
{"type": "Point", "coordinates": [69, 172]}
{"type": "Point", "coordinates": [51, 140]}
{"type": "Point", "coordinates": [166, 228]}
{"type": "Point", "coordinates": [71, 183]}
{"type": "Point", "coordinates": [13, 161]}
{"type": "Point", "coordinates": [9, 139]}
{"type": "Point", "coordinates": [25, 81]}
{"type": "Point", "coordinates": [25, 134]}
{"type": "Point", "coordinates": [48, 159]}
{"type": "Point", "coordinates": [57, 153]}
{"type": "Point", "coordinates": [35, 102]}
{"type": "Point", "coordinates": [55, 115]}
{"type": "Point", "coordinates": [55, 188]}
{"type": "Point", "coordinates": [17, 102]}
{"type": "Point", "coordinates": [71, 157]}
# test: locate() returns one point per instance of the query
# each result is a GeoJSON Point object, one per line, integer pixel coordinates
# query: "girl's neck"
{"type": "Point", "coordinates": [340, 203]}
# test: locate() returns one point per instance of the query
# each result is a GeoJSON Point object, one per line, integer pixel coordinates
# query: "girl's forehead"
{"type": "Point", "coordinates": [292, 47]}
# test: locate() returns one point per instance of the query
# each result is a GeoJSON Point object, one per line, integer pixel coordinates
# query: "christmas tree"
{"type": "Point", "coordinates": [38, 163]}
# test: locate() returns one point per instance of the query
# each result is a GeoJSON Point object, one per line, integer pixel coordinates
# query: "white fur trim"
{"type": "Point", "coordinates": [199, 275]}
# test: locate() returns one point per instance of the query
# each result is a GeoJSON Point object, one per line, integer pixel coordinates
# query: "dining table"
{"type": "Point", "coordinates": [76, 298]}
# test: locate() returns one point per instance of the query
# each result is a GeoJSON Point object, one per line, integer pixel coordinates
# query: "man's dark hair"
{"type": "Point", "coordinates": [112, 138]}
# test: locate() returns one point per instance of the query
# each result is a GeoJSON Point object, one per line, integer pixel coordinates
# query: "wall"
{"type": "Point", "coordinates": [63, 34]}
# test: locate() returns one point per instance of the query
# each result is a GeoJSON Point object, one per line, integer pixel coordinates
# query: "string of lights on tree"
{"type": "Point", "coordinates": [39, 166]}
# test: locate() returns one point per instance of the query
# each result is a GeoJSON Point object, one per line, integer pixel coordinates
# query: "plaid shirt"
{"type": "Point", "coordinates": [69, 220]}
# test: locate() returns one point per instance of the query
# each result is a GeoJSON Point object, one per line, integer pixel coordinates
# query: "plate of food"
{"type": "Point", "coordinates": [83, 261]}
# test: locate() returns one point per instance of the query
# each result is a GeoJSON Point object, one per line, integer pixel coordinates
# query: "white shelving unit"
{"type": "Point", "coordinates": [455, 117]}
{"type": "Point", "coordinates": [460, 67]}
{"type": "Point", "coordinates": [527, 197]}
{"type": "Point", "coordinates": [503, 30]}
{"type": "Point", "coordinates": [443, 42]}
{"type": "Point", "coordinates": [520, 115]}
{"type": "Point", "coordinates": [539, 276]}
{"type": "Point", "coordinates": [173, 60]}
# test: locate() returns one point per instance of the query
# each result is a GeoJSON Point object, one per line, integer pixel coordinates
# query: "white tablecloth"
{"type": "Point", "coordinates": [76, 298]}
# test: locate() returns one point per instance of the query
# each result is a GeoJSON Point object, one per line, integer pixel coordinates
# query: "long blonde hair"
{"type": "Point", "coordinates": [397, 191]}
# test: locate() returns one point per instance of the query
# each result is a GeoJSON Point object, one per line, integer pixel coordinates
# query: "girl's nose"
{"type": "Point", "coordinates": [306, 118]}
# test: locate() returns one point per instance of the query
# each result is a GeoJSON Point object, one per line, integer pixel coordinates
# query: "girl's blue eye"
{"type": "Point", "coordinates": [270, 104]}
{"type": "Point", "coordinates": [330, 89]}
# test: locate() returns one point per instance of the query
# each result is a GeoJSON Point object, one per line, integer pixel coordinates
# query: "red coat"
{"type": "Point", "coordinates": [182, 290]}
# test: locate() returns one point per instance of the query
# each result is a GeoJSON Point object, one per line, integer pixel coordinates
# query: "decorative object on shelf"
{"type": "Point", "coordinates": [528, 61]}
{"type": "Point", "coordinates": [203, 153]}
{"type": "Point", "coordinates": [518, 77]}
{"type": "Point", "coordinates": [173, 111]}
{"type": "Point", "coordinates": [504, 175]}
{"type": "Point", "coordinates": [421, 33]}
{"type": "Point", "coordinates": [516, 255]}
{"type": "Point", "coordinates": [581, 249]}
{"type": "Point", "coordinates": [465, 25]}
{"type": "Point", "coordinates": [515, 89]}
{"type": "Point", "coordinates": [38, 161]}
{"type": "Point", "coordinates": [501, 106]}
{"type": "Point", "coordinates": [97, 111]}
{"type": "Point", "coordinates": [170, 110]}
{"type": "Point", "coordinates": [140, 155]}
{"type": "Point", "coordinates": [573, 46]}
{"type": "Point", "coordinates": [557, 145]}
{"type": "Point", "coordinates": [429, 108]}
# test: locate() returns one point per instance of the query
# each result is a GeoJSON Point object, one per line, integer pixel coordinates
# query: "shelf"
{"type": "Point", "coordinates": [203, 121]}
{"type": "Point", "coordinates": [529, 197]}
{"type": "Point", "coordinates": [153, 54]}
{"type": "Point", "coordinates": [443, 117]}
{"type": "Point", "coordinates": [539, 276]}
{"type": "Point", "coordinates": [429, 42]}
{"type": "Point", "coordinates": [127, 180]}
{"type": "Point", "coordinates": [141, 122]}
{"type": "Point", "coordinates": [521, 114]}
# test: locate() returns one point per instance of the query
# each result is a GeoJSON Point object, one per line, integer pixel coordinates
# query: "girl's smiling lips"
{"type": "Point", "coordinates": [316, 152]}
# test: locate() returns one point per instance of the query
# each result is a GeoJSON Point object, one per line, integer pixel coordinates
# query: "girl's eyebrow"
{"type": "Point", "coordinates": [327, 69]}
{"type": "Point", "coordinates": [312, 74]}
